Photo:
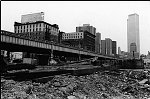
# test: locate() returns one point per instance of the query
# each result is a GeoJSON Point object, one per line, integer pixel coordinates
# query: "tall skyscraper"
{"type": "Point", "coordinates": [108, 43]}
{"type": "Point", "coordinates": [103, 48]}
{"type": "Point", "coordinates": [108, 47]}
{"type": "Point", "coordinates": [98, 43]}
{"type": "Point", "coordinates": [133, 39]}
{"type": "Point", "coordinates": [114, 47]}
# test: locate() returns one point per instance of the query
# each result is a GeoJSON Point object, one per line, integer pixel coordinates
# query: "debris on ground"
{"type": "Point", "coordinates": [124, 84]}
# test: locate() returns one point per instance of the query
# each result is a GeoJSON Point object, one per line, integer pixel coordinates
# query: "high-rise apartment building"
{"type": "Point", "coordinates": [98, 43]}
{"type": "Point", "coordinates": [108, 47]}
{"type": "Point", "coordinates": [86, 27]}
{"type": "Point", "coordinates": [103, 48]}
{"type": "Point", "coordinates": [133, 39]}
{"type": "Point", "coordinates": [108, 42]}
{"type": "Point", "coordinates": [114, 47]}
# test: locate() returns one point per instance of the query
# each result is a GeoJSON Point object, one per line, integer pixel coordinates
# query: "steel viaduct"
{"type": "Point", "coordinates": [19, 43]}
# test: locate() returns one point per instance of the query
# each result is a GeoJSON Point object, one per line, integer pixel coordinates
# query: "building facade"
{"type": "Point", "coordinates": [133, 47]}
{"type": "Point", "coordinates": [103, 48]}
{"type": "Point", "coordinates": [74, 39]}
{"type": "Point", "coordinates": [83, 40]}
{"type": "Point", "coordinates": [86, 27]}
{"type": "Point", "coordinates": [148, 55]}
{"type": "Point", "coordinates": [98, 43]}
{"type": "Point", "coordinates": [133, 33]}
{"type": "Point", "coordinates": [108, 42]}
{"type": "Point", "coordinates": [33, 17]}
{"type": "Point", "coordinates": [119, 51]}
{"type": "Point", "coordinates": [133, 55]}
{"type": "Point", "coordinates": [39, 30]}
{"type": "Point", "coordinates": [60, 36]}
{"type": "Point", "coordinates": [114, 47]}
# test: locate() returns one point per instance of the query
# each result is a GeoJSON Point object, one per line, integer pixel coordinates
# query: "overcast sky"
{"type": "Point", "coordinates": [109, 17]}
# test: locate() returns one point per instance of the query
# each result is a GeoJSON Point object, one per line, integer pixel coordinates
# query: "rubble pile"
{"type": "Point", "coordinates": [100, 85]}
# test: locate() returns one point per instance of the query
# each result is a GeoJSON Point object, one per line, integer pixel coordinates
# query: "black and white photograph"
{"type": "Point", "coordinates": [75, 50]}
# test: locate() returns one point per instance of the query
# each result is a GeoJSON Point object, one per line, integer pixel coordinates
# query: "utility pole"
{"type": "Point", "coordinates": [51, 50]}
{"type": "Point", "coordinates": [79, 51]}
{"type": "Point", "coordinates": [51, 60]}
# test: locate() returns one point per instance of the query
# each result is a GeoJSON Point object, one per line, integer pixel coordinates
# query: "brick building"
{"type": "Point", "coordinates": [86, 27]}
{"type": "Point", "coordinates": [39, 30]}
{"type": "Point", "coordinates": [83, 40]}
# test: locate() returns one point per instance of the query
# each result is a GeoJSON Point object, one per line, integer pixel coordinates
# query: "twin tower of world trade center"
{"type": "Point", "coordinates": [133, 39]}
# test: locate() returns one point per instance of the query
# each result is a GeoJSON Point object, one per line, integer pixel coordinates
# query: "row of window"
{"type": "Point", "coordinates": [34, 30]}
{"type": "Point", "coordinates": [29, 26]}
{"type": "Point", "coordinates": [72, 37]}
{"type": "Point", "coordinates": [28, 30]}
{"type": "Point", "coordinates": [36, 34]}
{"type": "Point", "coordinates": [36, 37]}
{"type": "Point", "coordinates": [73, 34]}
{"type": "Point", "coordinates": [33, 27]}
{"type": "Point", "coordinates": [51, 28]}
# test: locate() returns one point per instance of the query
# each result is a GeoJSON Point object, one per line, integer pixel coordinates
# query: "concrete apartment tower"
{"type": "Point", "coordinates": [103, 47]}
{"type": "Point", "coordinates": [114, 47]}
{"type": "Point", "coordinates": [133, 39]}
{"type": "Point", "coordinates": [98, 42]}
{"type": "Point", "coordinates": [108, 43]}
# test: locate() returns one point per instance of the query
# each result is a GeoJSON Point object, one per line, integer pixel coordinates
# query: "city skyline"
{"type": "Point", "coordinates": [108, 20]}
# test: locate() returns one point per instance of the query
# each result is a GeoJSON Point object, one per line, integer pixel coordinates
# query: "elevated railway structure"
{"type": "Point", "coordinates": [19, 43]}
